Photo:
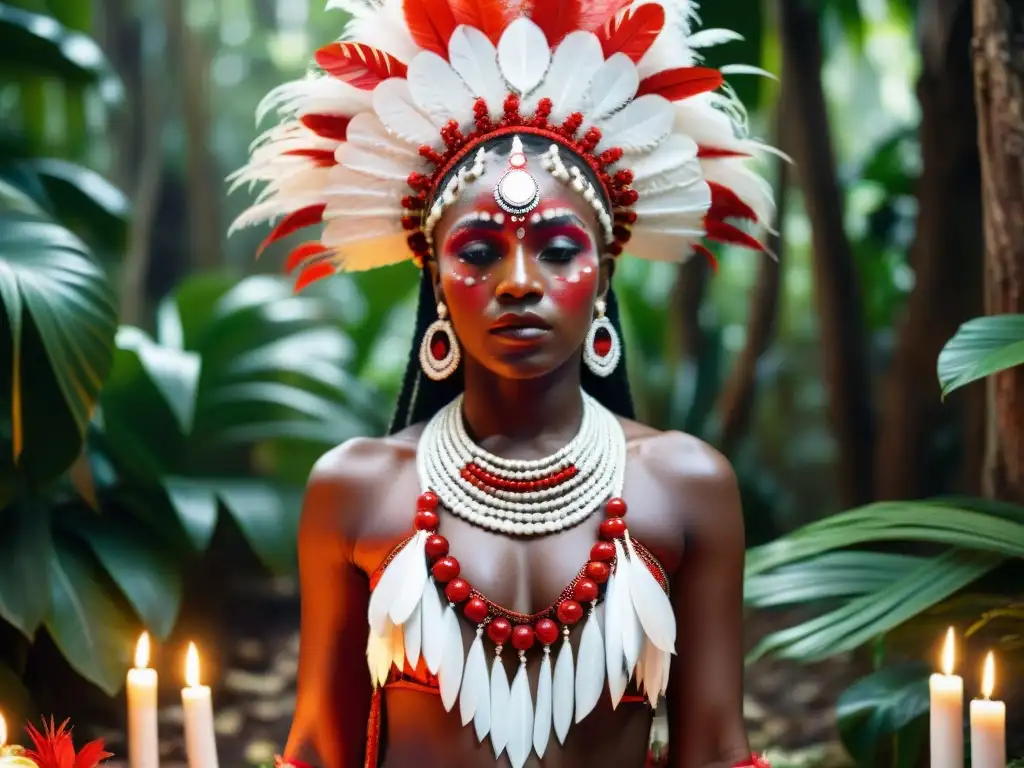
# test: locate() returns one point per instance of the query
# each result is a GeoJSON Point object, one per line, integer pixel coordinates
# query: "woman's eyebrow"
{"type": "Point", "coordinates": [559, 219]}
{"type": "Point", "coordinates": [478, 220]}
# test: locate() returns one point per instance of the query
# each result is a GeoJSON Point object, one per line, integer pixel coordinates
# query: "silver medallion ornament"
{"type": "Point", "coordinates": [517, 192]}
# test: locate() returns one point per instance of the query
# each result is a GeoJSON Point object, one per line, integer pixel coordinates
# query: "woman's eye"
{"type": "Point", "coordinates": [561, 249]}
{"type": "Point", "coordinates": [478, 254]}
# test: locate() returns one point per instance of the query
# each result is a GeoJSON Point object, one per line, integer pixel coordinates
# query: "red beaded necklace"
{"type": "Point", "coordinates": [477, 609]}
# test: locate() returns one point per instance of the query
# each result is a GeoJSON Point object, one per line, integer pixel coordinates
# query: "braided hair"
{"type": "Point", "coordinates": [420, 397]}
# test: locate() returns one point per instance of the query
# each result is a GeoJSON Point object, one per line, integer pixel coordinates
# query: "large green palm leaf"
{"type": "Point", "coordinates": [61, 321]}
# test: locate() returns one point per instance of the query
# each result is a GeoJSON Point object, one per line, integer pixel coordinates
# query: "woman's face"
{"type": "Point", "coordinates": [520, 294]}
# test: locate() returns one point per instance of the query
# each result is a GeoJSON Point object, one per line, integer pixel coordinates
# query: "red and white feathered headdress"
{"type": "Point", "coordinates": [416, 86]}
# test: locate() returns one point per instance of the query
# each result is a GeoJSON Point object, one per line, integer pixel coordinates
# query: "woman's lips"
{"type": "Point", "coordinates": [520, 332]}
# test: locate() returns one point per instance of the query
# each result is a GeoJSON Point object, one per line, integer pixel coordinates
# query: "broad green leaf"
{"type": "Point", "coordinates": [32, 43]}
{"type": "Point", "coordinates": [864, 618]}
{"type": "Point", "coordinates": [85, 202]}
{"type": "Point", "coordinates": [268, 518]}
{"type": "Point", "coordinates": [881, 705]}
{"type": "Point", "coordinates": [826, 577]}
{"type": "Point", "coordinates": [174, 372]}
{"type": "Point", "coordinates": [25, 547]}
{"type": "Point", "coordinates": [46, 274]}
{"type": "Point", "coordinates": [937, 522]}
{"type": "Point", "coordinates": [141, 566]}
{"type": "Point", "coordinates": [195, 501]}
{"type": "Point", "coordinates": [981, 347]}
{"type": "Point", "coordinates": [87, 622]}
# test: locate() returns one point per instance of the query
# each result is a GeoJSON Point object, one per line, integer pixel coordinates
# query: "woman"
{"type": "Point", "coordinates": [519, 573]}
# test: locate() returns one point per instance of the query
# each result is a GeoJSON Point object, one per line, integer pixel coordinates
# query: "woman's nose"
{"type": "Point", "coordinates": [520, 279]}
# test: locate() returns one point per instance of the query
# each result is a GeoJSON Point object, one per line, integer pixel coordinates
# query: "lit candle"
{"type": "Point", "coordinates": [988, 723]}
{"type": "Point", "coordinates": [200, 741]}
{"type": "Point", "coordinates": [12, 756]}
{"type": "Point", "coordinates": [143, 744]}
{"type": "Point", "coordinates": [947, 711]}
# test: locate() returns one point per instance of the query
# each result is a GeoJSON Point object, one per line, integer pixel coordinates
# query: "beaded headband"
{"type": "Point", "coordinates": [418, 86]}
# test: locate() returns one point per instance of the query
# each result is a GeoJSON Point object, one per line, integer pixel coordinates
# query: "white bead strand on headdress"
{"type": "Point", "coordinates": [523, 497]}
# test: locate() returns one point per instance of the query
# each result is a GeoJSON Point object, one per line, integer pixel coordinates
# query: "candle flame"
{"type": "Point", "coordinates": [142, 651]}
{"type": "Point", "coordinates": [949, 653]}
{"type": "Point", "coordinates": [988, 676]}
{"type": "Point", "coordinates": [192, 666]}
{"type": "Point", "coordinates": [3, 731]}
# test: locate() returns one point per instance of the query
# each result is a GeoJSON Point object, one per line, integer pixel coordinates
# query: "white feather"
{"type": "Point", "coordinates": [651, 665]}
{"type": "Point", "coordinates": [651, 603]}
{"type": "Point", "coordinates": [674, 204]}
{"type": "Point", "coordinates": [371, 254]}
{"type": "Point", "coordinates": [374, 648]}
{"type": "Point", "coordinates": [751, 188]}
{"type": "Point", "coordinates": [707, 126]}
{"type": "Point", "coordinates": [640, 127]}
{"type": "Point", "coordinates": [389, 587]}
{"type": "Point", "coordinates": [438, 91]}
{"type": "Point", "coordinates": [450, 675]}
{"type": "Point", "coordinates": [433, 628]}
{"type": "Point", "coordinates": [675, 152]}
{"type": "Point", "coordinates": [563, 690]}
{"type": "Point", "coordinates": [482, 684]}
{"type": "Point", "coordinates": [674, 246]}
{"type": "Point", "coordinates": [414, 578]}
{"type": "Point", "coordinates": [542, 717]}
{"type": "Point", "coordinates": [746, 69]}
{"type": "Point", "coordinates": [684, 177]}
{"type": "Point", "coordinates": [520, 719]}
{"type": "Point", "coordinates": [590, 666]}
{"type": "Point", "coordinates": [383, 27]}
{"type": "Point", "coordinates": [373, 165]}
{"type": "Point", "coordinates": [398, 647]}
{"type": "Point", "coordinates": [396, 108]}
{"type": "Point", "coordinates": [708, 38]}
{"type": "Point", "coordinates": [612, 86]}
{"type": "Point", "coordinates": [523, 55]}
{"type": "Point", "coordinates": [568, 80]}
{"type": "Point", "coordinates": [367, 131]}
{"type": "Point", "coordinates": [413, 635]}
{"type": "Point", "coordinates": [468, 699]}
{"type": "Point", "coordinates": [499, 707]}
{"type": "Point", "coordinates": [270, 210]}
{"type": "Point", "coordinates": [314, 94]}
{"type": "Point", "coordinates": [344, 232]}
{"type": "Point", "coordinates": [671, 47]}
{"type": "Point", "coordinates": [632, 631]}
{"type": "Point", "coordinates": [474, 58]}
{"type": "Point", "coordinates": [384, 655]}
{"type": "Point", "coordinates": [666, 669]}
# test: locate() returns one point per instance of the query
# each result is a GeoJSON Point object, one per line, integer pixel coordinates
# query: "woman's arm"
{"type": "Point", "coordinates": [705, 694]}
{"type": "Point", "coordinates": [334, 690]}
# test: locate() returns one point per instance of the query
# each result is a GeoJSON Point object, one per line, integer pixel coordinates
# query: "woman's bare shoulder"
{"type": "Point", "coordinates": [352, 482]}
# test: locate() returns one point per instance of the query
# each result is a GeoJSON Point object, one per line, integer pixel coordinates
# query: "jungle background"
{"type": "Point", "coordinates": [165, 394]}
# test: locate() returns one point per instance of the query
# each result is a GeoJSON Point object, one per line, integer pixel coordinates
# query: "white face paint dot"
{"type": "Point", "coordinates": [520, 233]}
{"type": "Point", "coordinates": [587, 270]}
{"type": "Point", "coordinates": [470, 282]}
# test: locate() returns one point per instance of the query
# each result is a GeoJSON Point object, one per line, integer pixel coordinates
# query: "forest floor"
{"type": "Point", "coordinates": [789, 707]}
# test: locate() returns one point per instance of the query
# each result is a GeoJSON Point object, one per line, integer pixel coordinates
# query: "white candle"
{"type": "Point", "coordinates": [12, 756]}
{"type": "Point", "coordinates": [200, 741]}
{"type": "Point", "coordinates": [143, 743]}
{"type": "Point", "coordinates": [947, 711]}
{"type": "Point", "coordinates": [988, 723]}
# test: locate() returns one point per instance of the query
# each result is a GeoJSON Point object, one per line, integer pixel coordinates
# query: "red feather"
{"type": "Point", "coordinates": [712, 153]}
{"type": "Point", "coordinates": [489, 16]}
{"type": "Point", "coordinates": [324, 157]}
{"type": "Point", "coordinates": [704, 251]}
{"type": "Point", "coordinates": [312, 273]}
{"type": "Point", "coordinates": [283, 763]}
{"type": "Point", "coordinates": [327, 126]}
{"type": "Point", "coordinates": [359, 65]}
{"type": "Point", "coordinates": [292, 223]}
{"type": "Point", "coordinates": [726, 204]}
{"type": "Point", "coordinates": [302, 254]}
{"type": "Point", "coordinates": [634, 33]}
{"type": "Point", "coordinates": [556, 18]}
{"type": "Point", "coordinates": [595, 14]}
{"type": "Point", "coordinates": [681, 83]}
{"type": "Point", "coordinates": [430, 23]}
{"type": "Point", "coordinates": [53, 748]}
{"type": "Point", "coordinates": [721, 232]}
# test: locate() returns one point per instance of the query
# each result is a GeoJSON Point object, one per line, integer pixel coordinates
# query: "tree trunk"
{"type": "Point", "coordinates": [944, 256]}
{"type": "Point", "coordinates": [999, 82]}
{"type": "Point", "coordinates": [736, 401]}
{"type": "Point", "coordinates": [836, 282]}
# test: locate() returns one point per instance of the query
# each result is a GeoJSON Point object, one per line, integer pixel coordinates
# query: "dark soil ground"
{"type": "Point", "coordinates": [789, 707]}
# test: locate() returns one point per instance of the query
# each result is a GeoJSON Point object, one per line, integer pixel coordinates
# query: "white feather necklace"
{"type": "Point", "coordinates": [634, 634]}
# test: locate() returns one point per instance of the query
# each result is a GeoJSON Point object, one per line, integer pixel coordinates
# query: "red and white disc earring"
{"type": "Point", "coordinates": [439, 350]}
{"type": "Point", "coordinates": [602, 350]}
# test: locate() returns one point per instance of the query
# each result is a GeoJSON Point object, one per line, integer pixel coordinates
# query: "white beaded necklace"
{"type": "Point", "coordinates": [563, 488]}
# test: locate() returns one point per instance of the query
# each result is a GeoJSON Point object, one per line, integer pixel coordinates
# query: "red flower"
{"type": "Point", "coordinates": [55, 749]}
{"type": "Point", "coordinates": [282, 763]}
